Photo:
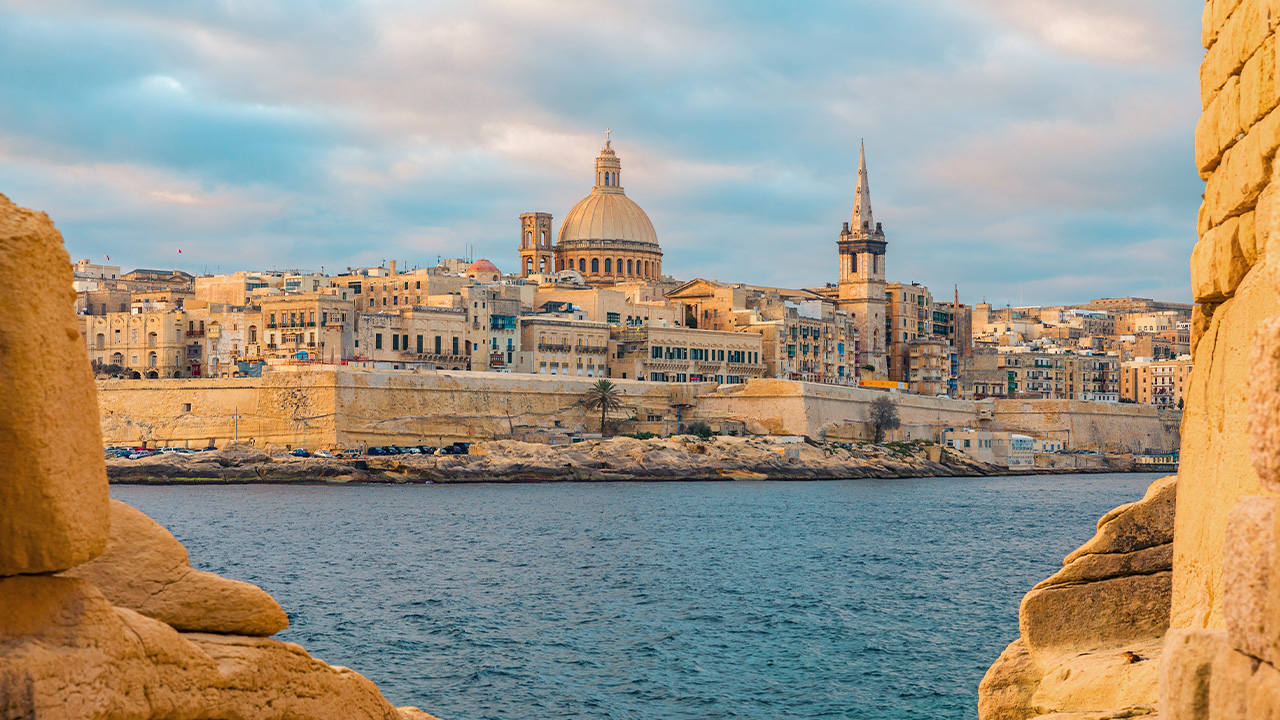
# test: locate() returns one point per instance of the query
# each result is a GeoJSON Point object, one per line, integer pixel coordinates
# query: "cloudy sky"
{"type": "Point", "coordinates": [1024, 150]}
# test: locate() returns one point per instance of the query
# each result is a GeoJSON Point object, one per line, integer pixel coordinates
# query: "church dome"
{"type": "Point", "coordinates": [606, 237]}
{"type": "Point", "coordinates": [482, 265]}
{"type": "Point", "coordinates": [607, 213]}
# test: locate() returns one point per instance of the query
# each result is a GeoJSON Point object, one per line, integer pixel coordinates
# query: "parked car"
{"type": "Point", "coordinates": [427, 449]}
{"type": "Point", "coordinates": [299, 452]}
{"type": "Point", "coordinates": [348, 453]}
{"type": "Point", "coordinates": [376, 451]}
{"type": "Point", "coordinates": [322, 453]}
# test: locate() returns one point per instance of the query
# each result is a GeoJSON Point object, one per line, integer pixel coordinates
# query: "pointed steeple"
{"type": "Point", "coordinates": [862, 217]}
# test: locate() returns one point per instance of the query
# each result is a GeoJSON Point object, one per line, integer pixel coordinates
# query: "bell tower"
{"type": "Point", "coordinates": [862, 286]}
{"type": "Point", "coordinates": [536, 252]}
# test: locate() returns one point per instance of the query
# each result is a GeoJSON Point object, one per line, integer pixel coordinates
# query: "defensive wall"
{"type": "Point", "coordinates": [339, 406]}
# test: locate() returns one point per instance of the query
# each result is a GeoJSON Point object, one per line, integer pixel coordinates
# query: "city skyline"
{"type": "Point", "coordinates": [1012, 151]}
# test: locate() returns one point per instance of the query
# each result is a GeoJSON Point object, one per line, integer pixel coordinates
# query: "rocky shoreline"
{"type": "Point", "coordinates": [685, 457]}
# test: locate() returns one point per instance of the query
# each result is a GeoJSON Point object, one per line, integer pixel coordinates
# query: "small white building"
{"type": "Point", "coordinates": [1006, 449]}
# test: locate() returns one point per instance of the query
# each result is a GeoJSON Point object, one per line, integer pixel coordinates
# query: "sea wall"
{"type": "Point", "coordinates": [329, 406]}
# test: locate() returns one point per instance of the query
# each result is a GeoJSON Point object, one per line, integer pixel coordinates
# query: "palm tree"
{"type": "Point", "coordinates": [604, 395]}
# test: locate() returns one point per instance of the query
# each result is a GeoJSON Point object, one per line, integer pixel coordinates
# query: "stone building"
{"type": "Point", "coordinates": [309, 326]}
{"type": "Point", "coordinates": [417, 337]}
{"type": "Point", "coordinates": [615, 306]}
{"type": "Point", "coordinates": [152, 344]}
{"type": "Point", "coordinates": [685, 355]}
{"type": "Point", "coordinates": [1155, 382]}
{"type": "Point", "coordinates": [606, 236]}
{"type": "Point", "coordinates": [560, 340]}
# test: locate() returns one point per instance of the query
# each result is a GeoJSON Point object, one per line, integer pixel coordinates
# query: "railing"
{"type": "Point", "coordinates": [195, 333]}
{"type": "Point", "coordinates": [547, 347]}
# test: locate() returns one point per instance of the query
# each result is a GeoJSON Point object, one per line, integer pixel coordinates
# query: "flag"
{"type": "Point", "coordinates": [108, 257]}
{"type": "Point", "coordinates": [179, 251]}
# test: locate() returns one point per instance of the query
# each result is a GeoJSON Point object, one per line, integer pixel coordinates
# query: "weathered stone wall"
{"type": "Point", "coordinates": [311, 407]}
{"type": "Point", "coordinates": [1232, 275]}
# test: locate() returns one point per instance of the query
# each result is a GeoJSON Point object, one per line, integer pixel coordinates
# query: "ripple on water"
{"type": "Point", "coordinates": [860, 598]}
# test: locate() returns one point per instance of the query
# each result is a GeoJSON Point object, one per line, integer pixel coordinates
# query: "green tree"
{"type": "Point", "coordinates": [604, 396]}
{"type": "Point", "coordinates": [884, 416]}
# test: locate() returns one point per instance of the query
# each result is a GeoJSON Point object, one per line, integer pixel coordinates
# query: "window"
{"type": "Point", "coordinates": [455, 345]}
{"type": "Point", "coordinates": [377, 341]}
{"type": "Point", "coordinates": [595, 265]}
{"type": "Point", "coordinates": [395, 342]}
{"type": "Point", "coordinates": [629, 271]}
{"type": "Point", "coordinates": [186, 407]}
{"type": "Point", "coordinates": [608, 266]}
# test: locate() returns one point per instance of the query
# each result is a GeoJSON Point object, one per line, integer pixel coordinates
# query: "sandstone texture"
{"type": "Point", "coordinates": [53, 503]}
{"type": "Point", "coordinates": [146, 569]}
{"type": "Point", "coordinates": [127, 630]}
{"type": "Point", "coordinates": [1092, 634]}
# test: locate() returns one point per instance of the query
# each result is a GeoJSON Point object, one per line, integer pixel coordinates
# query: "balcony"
{"type": "Point", "coordinates": [548, 347]}
{"type": "Point", "coordinates": [195, 333]}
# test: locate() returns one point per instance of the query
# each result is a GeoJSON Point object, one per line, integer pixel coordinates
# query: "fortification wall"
{"type": "Point", "coordinates": [331, 406]}
{"type": "Point", "coordinates": [1105, 427]}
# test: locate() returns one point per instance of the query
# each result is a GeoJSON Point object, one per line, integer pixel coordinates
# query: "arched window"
{"type": "Point", "coordinates": [608, 266]}
{"type": "Point", "coordinates": [151, 340]}
{"type": "Point", "coordinates": [853, 264]}
{"type": "Point", "coordinates": [629, 271]}
{"type": "Point", "coordinates": [582, 265]}
{"type": "Point", "coordinates": [117, 359]}
{"type": "Point", "coordinates": [102, 341]}
{"type": "Point", "coordinates": [151, 359]}
{"type": "Point", "coordinates": [253, 333]}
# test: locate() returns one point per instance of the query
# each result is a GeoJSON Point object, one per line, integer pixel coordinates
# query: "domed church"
{"type": "Point", "coordinates": [606, 237]}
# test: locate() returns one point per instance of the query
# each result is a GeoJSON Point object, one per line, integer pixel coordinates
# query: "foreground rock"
{"type": "Point", "coordinates": [1092, 633]}
{"type": "Point", "coordinates": [684, 457]}
{"type": "Point", "coordinates": [104, 640]}
{"type": "Point", "coordinates": [53, 499]}
{"type": "Point", "coordinates": [146, 569]}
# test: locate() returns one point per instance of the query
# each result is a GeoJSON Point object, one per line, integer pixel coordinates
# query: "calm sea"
{"type": "Point", "coordinates": [850, 599]}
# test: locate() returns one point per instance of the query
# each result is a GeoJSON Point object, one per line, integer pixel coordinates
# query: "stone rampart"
{"type": "Point", "coordinates": [328, 406]}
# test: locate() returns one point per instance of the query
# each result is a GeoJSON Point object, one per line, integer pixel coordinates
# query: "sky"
{"type": "Point", "coordinates": [1022, 151]}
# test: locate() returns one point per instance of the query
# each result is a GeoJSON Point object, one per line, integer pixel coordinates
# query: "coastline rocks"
{"type": "Point", "coordinates": [621, 458]}
{"type": "Point", "coordinates": [65, 652]}
{"type": "Point", "coordinates": [147, 570]}
{"type": "Point", "coordinates": [53, 500]}
{"type": "Point", "coordinates": [1092, 633]}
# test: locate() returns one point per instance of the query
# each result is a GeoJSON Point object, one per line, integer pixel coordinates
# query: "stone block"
{"type": "Point", "coordinates": [1201, 315]}
{"type": "Point", "coordinates": [1264, 404]}
{"type": "Point", "coordinates": [1248, 559]}
{"type": "Point", "coordinates": [1257, 87]}
{"type": "Point", "coordinates": [1215, 15]}
{"type": "Point", "coordinates": [1218, 127]}
{"type": "Point", "coordinates": [1247, 235]}
{"type": "Point", "coordinates": [1243, 32]}
{"type": "Point", "coordinates": [53, 500]}
{"type": "Point", "coordinates": [146, 569]}
{"type": "Point", "coordinates": [1070, 619]}
{"type": "Point", "coordinates": [1218, 263]}
{"type": "Point", "coordinates": [1233, 188]}
{"type": "Point", "coordinates": [1185, 672]}
{"type": "Point", "coordinates": [1228, 690]}
{"type": "Point", "coordinates": [1005, 691]}
{"type": "Point", "coordinates": [1262, 694]}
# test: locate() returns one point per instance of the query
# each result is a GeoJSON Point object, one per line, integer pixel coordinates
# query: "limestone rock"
{"type": "Point", "coordinates": [1005, 691]}
{"type": "Point", "coordinates": [1248, 567]}
{"type": "Point", "coordinates": [1262, 694]}
{"type": "Point", "coordinates": [1189, 657]}
{"type": "Point", "coordinates": [1228, 691]}
{"type": "Point", "coordinates": [53, 502]}
{"type": "Point", "coordinates": [146, 569]}
{"type": "Point", "coordinates": [1264, 409]}
{"type": "Point", "coordinates": [65, 652]}
{"type": "Point", "coordinates": [1102, 566]}
{"type": "Point", "coordinates": [1136, 526]}
{"type": "Point", "coordinates": [1119, 682]}
{"type": "Point", "coordinates": [1069, 619]}
{"type": "Point", "coordinates": [412, 713]}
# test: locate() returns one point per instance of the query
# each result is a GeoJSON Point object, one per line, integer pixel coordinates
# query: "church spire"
{"type": "Point", "coordinates": [862, 217]}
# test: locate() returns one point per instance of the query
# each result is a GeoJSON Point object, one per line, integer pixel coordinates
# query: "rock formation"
{"type": "Point", "coordinates": [1220, 656]}
{"type": "Point", "coordinates": [129, 630]}
{"type": "Point", "coordinates": [1092, 632]}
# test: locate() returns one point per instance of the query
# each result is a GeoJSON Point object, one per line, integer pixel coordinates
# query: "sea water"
{"type": "Point", "coordinates": [844, 599]}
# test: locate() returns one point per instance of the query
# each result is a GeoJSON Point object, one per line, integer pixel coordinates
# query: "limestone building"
{"type": "Point", "coordinates": [685, 355]}
{"type": "Point", "coordinates": [606, 237]}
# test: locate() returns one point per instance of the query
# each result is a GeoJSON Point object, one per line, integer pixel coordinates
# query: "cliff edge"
{"type": "Point", "coordinates": [101, 615]}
